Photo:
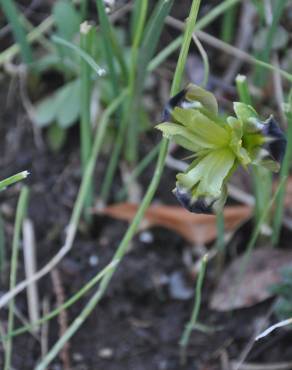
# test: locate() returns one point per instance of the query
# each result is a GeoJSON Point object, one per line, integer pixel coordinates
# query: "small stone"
{"type": "Point", "coordinates": [93, 260]}
{"type": "Point", "coordinates": [178, 287]}
{"type": "Point", "coordinates": [77, 357]}
{"type": "Point", "coordinates": [105, 353]}
{"type": "Point", "coordinates": [146, 237]}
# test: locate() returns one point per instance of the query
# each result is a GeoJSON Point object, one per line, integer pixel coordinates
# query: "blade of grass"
{"type": "Point", "coordinates": [85, 56]}
{"type": "Point", "coordinates": [85, 96]}
{"type": "Point", "coordinates": [106, 37]}
{"type": "Point", "coordinates": [195, 313]}
{"type": "Point", "coordinates": [279, 210]}
{"type": "Point", "coordinates": [32, 36]}
{"type": "Point", "coordinates": [278, 8]}
{"type": "Point", "coordinates": [260, 175]}
{"type": "Point", "coordinates": [20, 214]}
{"type": "Point", "coordinates": [228, 23]}
{"type": "Point", "coordinates": [123, 246]}
{"type": "Point", "coordinates": [2, 247]}
{"type": "Point", "coordinates": [133, 106]}
{"type": "Point", "coordinates": [13, 179]}
{"type": "Point", "coordinates": [12, 15]}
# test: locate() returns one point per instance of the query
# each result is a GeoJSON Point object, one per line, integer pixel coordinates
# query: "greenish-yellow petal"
{"type": "Point", "coordinates": [201, 126]}
{"type": "Point", "coordinates": [206, 98]}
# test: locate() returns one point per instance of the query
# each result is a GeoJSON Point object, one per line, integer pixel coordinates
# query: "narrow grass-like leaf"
{"type": "Point", "coordinates": [85, 97]}
{"type": "Point", "coordinates": [13, 179]}
{"type": "Point", "coordinates": [228, 23]}
{"type": "Point", "coordinates": [260, 175]}
{"type": "Point", "coordinates": [196, 309]}
{"type": "Point", "coordinates": [2, 247]}
{"type": "Point", "coordinates": [278, 8]}
{"type": "Point", "coordinates": [106, 33]}
{"type": "Point", "coordinates": [20, 214]}
{"type": "Point", "coordinates": [278, 215]}
{"type": "Point", "coordinates": [12, 15]}
{"type": "Point", "coordinates": [85, 56]}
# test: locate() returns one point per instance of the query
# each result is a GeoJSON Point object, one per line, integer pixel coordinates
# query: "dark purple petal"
{"type": "Point", "coordinates": [276, 143]}
{"type": "Point", "coordinates": [200, 205]}
{"type": "Point", "coordinates": [173, 102]}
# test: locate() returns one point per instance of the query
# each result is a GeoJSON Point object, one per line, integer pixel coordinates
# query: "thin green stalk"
{"type": "Point", "coordinates": [278, 8]}
{"type": "Point", "coordinates": [123, 246]}
{"type": "Point", "coordinates": [12, 15]}
{"type": "Point", "coordinates": [242, 89]}
{"type": "Point", "coordinates": [135, 16]}
{"type": "Point", "coordinates": [106, 32]}
{"type": "Point", "coordinates": [13, 179]}
{"type": "Point", "coordinates": [260, 175]}
{"type": "Point", "coordinates": [132, 108]}
{"type": "Point", "coordinates": [20, 214]}
{"type": "Point", "coordinates": [205, 60]}
{"type": "Point", "coordinates": [220, 244]}
{"type": "Point", "coordinates": [215, 13]}
{"type": "Point", "coordinates": [84, 9]}
{"type": "Point", "coordinates": [85, 96]}
{"type": "Point", "coordinates": [148, 47]}
{"type": "Point", "coordinates": [138, 170]}
{"type": "Point", "coordinates": [279, 210]}
{"type": "Point", "coordinates": [2, 247]}
{"type": "Point", "coordinates": [91, 283]}
{"type": "Point", "coordinates": [196, 309]}
{"type": "Point", "coordinates": [85, 56]}
{"type": "Point", "coordinates": [228, 23]}
{"type": "Point", "coordinates": [32, 36]}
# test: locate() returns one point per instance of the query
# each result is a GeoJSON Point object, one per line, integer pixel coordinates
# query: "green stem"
{"type": "Point", "coordinates": [132, 147]}
{"type": "Point", "coordinates": [196, 309]}
{"type": "Point", "coordinates": [279, 211]}
{"type": "Point", "coordinates": [12, 15]}
{"type": "Point", "coordinates": [106, 32]}
{"type": "Point", "coordinates": [13, 179]}
{"type": "Point", "coordinates": [20, 214]}
{"type": "Point", "coordinates": [260, 175]}
{"type": "Point", "coordinates": [227, 30]}
{"type": "Point", "coordinates": [85, 96]}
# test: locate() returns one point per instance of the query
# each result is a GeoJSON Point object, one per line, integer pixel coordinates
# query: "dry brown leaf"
{"type": "Point", "coordinates": [262, 271]}
{"type": "Point", "coordinates": [196, 228]}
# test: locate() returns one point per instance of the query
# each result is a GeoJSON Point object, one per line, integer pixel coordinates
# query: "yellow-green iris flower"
{"type": "Point", "coordinates": [218, 145]}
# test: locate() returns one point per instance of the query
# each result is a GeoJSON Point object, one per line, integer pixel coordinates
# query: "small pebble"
{"type": "Point", "coordinates": [93, 260]}
{"type": "Point", "coordinates": [105, 353]}
{"type": "Point", "coordinates": [77, 357]}
{"type": "Point", "coordinates": [178, 287]}
{"type": "Point", "coordinates": [146, 237]}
